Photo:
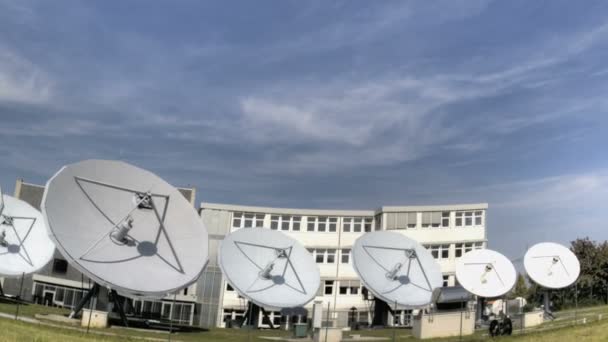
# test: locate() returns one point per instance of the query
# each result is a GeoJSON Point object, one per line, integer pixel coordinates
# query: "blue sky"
{"type": "Point", "coordinates": [342, 104]}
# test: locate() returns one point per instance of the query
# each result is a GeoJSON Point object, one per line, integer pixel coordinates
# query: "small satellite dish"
{"type": "Point", "coordinates": [125, 228]}
{"type": "Point", "coordinates": [24, 244]}
{"type": "Point", "coordinates": [552, 265]}
{"type": "Point", "coordinates": [269, 268]}
{"type": "Point", "coordinates": [396, 269]}
{"type": "Point", "coordinates": [486, 273]}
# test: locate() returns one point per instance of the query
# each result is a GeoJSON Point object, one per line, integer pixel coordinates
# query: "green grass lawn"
{"type": "Point", "coordinates": [11, 330]}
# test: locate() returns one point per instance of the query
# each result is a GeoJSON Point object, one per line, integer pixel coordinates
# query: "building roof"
{"type": "Point", "coordinates": [340, 212]}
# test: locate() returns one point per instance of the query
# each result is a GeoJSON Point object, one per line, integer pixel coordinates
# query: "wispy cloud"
{"type": "Point", "coordinates": [22, 81]}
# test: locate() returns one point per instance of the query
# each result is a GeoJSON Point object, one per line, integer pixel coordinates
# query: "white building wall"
{"type": "Point", "coordinates": [342, 273]}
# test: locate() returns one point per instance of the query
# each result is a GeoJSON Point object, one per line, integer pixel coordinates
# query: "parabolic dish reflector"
{"type": "Point", "coordinates": [269, 268]}
{"type": "Point", "coordinates": [396, 269]}
{"type": "Point", "coordinates": [125, 227]}
{"type": "Point", "coordinates": [552, 265]}
{"type": "Point", "coordinates": [24, 244]}
{"type": "Point", "coordinates": [486, 273]}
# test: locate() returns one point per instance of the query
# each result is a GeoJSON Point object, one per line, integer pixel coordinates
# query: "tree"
{"type": "Point", "coordinates": [521, 288]}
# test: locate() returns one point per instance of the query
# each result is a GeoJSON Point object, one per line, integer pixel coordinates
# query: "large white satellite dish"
{"type": "Point", "coordinates": [486, 273]}
{"type": "Point", "coordinates": [269, 268]}
{"type": "Point", "coordinates": [552, 265]}
{"type": "Point", "coordinates": [396, 269]}
{"type": "Point", "coordinates": [24, 244]}
{"type": "Point", "coordinates": [125, 228]}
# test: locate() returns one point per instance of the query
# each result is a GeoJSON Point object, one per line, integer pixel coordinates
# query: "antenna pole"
{"type": "Point", "coordinates": [84, 300]}
{"type": "Point", "coordinates": [394, 321]}
{"type": "Point", "coordinates": [171, 317]}
{"type": "Point", "coordinates": [575, 301]}
{"type": "Point", "coordinates": [94, 292]}
{"type": "Point", "coordinates": [461, 312]}
{"type": "Point", "coordinates": [19, 298]}
{"type": "Point", "coordinates": [327, 321]}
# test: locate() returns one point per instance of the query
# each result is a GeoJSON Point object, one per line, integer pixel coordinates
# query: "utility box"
{"type": "Point", "coordinates": [534, 318]}
{"type": "Point", "coordinates": [98, 319]}
{"type": "Point", "coordinates": [328, 334]}
{"type": "Point", "coordinates": [300, 330]}
{"type": "Point", "coordinates": [317, 314]}
{"type": "Point", "coordinates": [444, 324]}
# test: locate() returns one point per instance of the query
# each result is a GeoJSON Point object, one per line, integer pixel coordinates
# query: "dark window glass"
{"type": "Point", "coordinates": [60, 266]}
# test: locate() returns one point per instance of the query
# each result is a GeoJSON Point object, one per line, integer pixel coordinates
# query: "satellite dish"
{"type": "Point", "coordinates": [125, 228]}
{"type": "Point", "coordinates": [269, 268]}
{"type": "Point", "coordinates": [486, 273]}
{"type": "Point", "coordinates": [552, 265]}
{"type": "Point", "coordinates": [24, 244]}
{"type": "Point", "coordinates": [396, 269]}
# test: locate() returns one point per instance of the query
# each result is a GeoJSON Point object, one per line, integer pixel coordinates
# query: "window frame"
{"type": "Point", "coordinates": [255, 219]}
{"type": "Point", "coordinates": [343, 254]}
{"type": "Point", "coordinates": [328, 284]}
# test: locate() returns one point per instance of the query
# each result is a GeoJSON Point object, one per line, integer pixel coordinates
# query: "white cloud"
{"type": "Point", "coordinates": [578, 191]}
{"type": "Point", "coordinates": [21, 81]}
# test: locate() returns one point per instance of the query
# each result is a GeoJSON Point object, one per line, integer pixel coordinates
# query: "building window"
{"type": "Point", "coordinates": [445, 251]}
{"type": "Point", "coordinates": [311, 223]}
{"type": "Point", "coordinates": [345, 255]}
{"type": "Point", "coordinates": [347, 224]}
{"type": "Point", "coordinates": [322, 224]}
{"type": "Point", "coordinates": [357, 227]}
{"type": "Point", "coordinates": [247, 220]}
{"type": "Point", "coordinates": [379, 222]}
{"type": "Point", "coordinates": [401, 220]}
{"type": "Point", "coordinates": [347, 288]}
{"type": "Point", "coordinates": [445, 219]}
{"type": "Point", "coordinates": [478, 215]}
{"type": "Point", "coordinates": [333, 224]}
{"type": "Point", "coordinates": [343, 290]}
{"type": "Point", "coordinates": [458, 251]}
{"type": "Point", "coordinates": [431, 219]}
{"type": "Point", "coordinates": [185, 291]}
{"type": "Point", "coordinates": [274, 222]}
{"type": "Point", "coordinates": [324, 256]}
{"type": "Point", "coordinates": [331, 256]}
{"type": "Point", "coordinates": [320, 256]}
{"type": "Point", "coordinates": [285, 222]}
{"type": "Point", "coordinates": [328, 287]}
{"type": "Point", "coordinates": [469, 218]}
{"type": "Point", "coordinates": [357, 224]}
{"type": "Point", "coordinates": [446, 281]}
{"type": "Point", "coordinates": [440, 252]}
{"type": "Point", "coordinates": [463, 248]}
{"type": "Point", "coordinates": [236, 220]}
{"type": "Point", "coordinates": [60, 266]}
{"type": "Point", "coordinates": [369, 222]}
{"type": "Point", "coordinates": [229, 288]}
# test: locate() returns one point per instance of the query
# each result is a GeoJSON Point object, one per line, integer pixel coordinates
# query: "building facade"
{"type": "Point", "coordinates": [448, 231]}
